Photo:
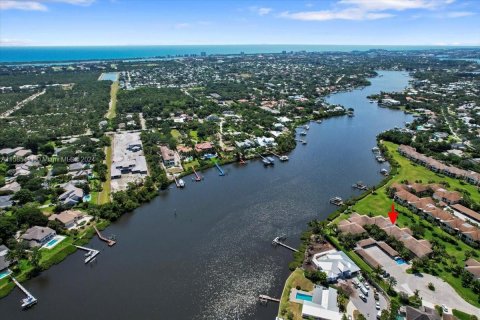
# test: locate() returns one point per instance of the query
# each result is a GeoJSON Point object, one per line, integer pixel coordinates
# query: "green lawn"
{"type": "Point", "coordinates": [104, 195]}
{"type": "Point", "coordinates": [379, 204]}
{"type": "Point", "coordinates": [194, 135]}
{"type": "Point", "coordinates": [189, 165]}
{"type": "Point", "coordinates": [295, 279]}
{"type": "Point", "coordinates": [176, 134]}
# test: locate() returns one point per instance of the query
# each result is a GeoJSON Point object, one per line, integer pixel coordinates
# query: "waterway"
{"type": "Point", "coordinates": [204, 252]}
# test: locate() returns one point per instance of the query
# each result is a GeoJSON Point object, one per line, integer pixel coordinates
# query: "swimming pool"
{"type": "Point", "coordinates": [52, 243]}
{"type": "Point", "coordinates": [303, 296]}
{"type": "Point", "coordinates": [400, 261]}
{"type": "Point", "coordinates": [87, 198]}
{"type": "Point", "coordinates": [5, 273]}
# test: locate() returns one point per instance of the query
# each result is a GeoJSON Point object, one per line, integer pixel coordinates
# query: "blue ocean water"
{"type": "Point", "coordinates": [59, 54]}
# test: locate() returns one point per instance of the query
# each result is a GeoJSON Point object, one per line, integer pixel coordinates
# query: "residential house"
{"type": "Point", "coordinates": [38, 236]}
{"type": "Point", "coordinates": [168, 156]}
{"type": "Point", "coordinates": [204, 147]}
{"type": "Point", "coordinates": [473, 266]}
{"type": "Point", "coordinates": [4, 262]}
{"type": "Point", "coordinates": [72, 194]}
{"type": "Point", "coordinates": [336, 264]}
{"type": "Point", "coordinates": [68, 218]}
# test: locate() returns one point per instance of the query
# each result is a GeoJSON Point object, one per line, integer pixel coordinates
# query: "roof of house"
{"type": "Point", "coordinates": [66, 217]}
{"type": "Point", "coordinates": [368, 258]}
{"type": "Point", "coordinates": [36, 233]}
{"type": "Point", "coordinates": [424, 314]}
{"type": "Point", "coordinates": [467, 211]}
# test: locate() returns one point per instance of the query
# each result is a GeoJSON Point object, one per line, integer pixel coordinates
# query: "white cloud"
{"type": "Point", "coordinates": [22, 5]}
{"type": "Point", "coordinates": [325, 15]}
{"type": "Point", "coordinates": [38, 5]}
{"type": "Point", "coordinates": [366, 9]}
{"type": "Point", "coordinates": [262, 11]}
{"type": "Point", "coordinates": [459, 14]}
{"type": "Point", "coordinates": [397, 5]}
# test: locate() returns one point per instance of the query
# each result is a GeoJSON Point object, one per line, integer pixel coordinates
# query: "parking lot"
{"type": "Point", "coordinates": [367, 308]}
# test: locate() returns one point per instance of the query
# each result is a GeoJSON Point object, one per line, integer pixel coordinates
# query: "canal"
{"type": "Point", "coordinates": [205, 252]}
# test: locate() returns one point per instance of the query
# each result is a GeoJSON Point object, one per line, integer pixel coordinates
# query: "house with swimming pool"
{"type": "Point", "coordinates": [321, 303]}
{"type": "Point", "coordinates": [336, 264]}
{"type": "Point", "coordinates": [4, 262]}
{"type": "Point", "coordinates": [37, 236]}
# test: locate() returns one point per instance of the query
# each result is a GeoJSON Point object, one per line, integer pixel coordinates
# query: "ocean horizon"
{"type": "Point", "coordinates": [46, 54]}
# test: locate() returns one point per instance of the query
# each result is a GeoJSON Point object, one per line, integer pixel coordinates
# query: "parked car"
{"type": "Point", "coordinates": [364, 290]}
{"type": "Point", "coordinates": [444, 308]}
{"type": "Point", "coordinates": [377, 305]}
{"type": "Point", "coordinates": [366, 285]}
{"type": "Point", "coordinates": [363, 297]}
{"type": "Point", "coordinates": [379, 314]}
{"type": "Point", "coordinates": [375, 295]}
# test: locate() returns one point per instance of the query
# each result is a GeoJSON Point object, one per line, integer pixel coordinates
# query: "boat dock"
{"type": "Point", "coordinates": [179, 182]}
{"type": "Point", "coordinates": [197, 176]}
{"type": "Point", "coordinates": [281, 158]}
{"type": "Point", "coordinates": [277, 241]}
{"type": "Point", "coordinates": [90, 255]}
{"type": "Point", "coordinates": [264, 298]}
{"type": "Point", "coordinates": [302, 141]}
{"type": "Point", "coordinates": [267, 161]}
{"type": "Point", "coordinates": [360, 186]}
{"type": "Point", "coordinates": [336, 201]}
{"type": "Point", "coordinates": [110, 242]}
{"type": "Point", "coordinates": [30, 300]}
{"type": "Point", "coordinates": [222, 173]}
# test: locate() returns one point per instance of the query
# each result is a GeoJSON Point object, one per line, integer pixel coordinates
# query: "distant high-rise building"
{"type": "Point", "coordinates": [284, 51]}
{"type": "Point", "coordinates": [203, 54]}
{"type": "Point", "coordinates": [242, 53]}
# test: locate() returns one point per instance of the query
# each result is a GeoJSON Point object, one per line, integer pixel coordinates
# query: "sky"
{"type": "Point", "coordinates": [182, 22]}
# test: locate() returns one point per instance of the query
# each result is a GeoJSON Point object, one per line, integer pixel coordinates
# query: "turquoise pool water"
{"type": "Point", "coordinates": [4, 273]}
{"type": "Point", "coordinates": [302, 296]}
{"type": "Point", "coordinates": [400, 261]}
{"type": "Point", "coordinates": [87, 198]}
{"type": "Point", "coordinates": [51, 242]}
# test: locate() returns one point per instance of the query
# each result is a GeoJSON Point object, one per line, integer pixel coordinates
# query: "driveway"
{"type": "Point", "coordinates": [408, 283]}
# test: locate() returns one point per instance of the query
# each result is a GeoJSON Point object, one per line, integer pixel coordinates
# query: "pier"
{"type": "Point", "coordinates": [264, 298]}
{"type": "Point", "coordinates": [360, 186]}
{"type": "Point", "coordinates": [197, 176]}
{"type": "Point", "coordinates": [219, 169]}
{"type": "Point", "coordinates": [90, 255]}
{"type": "Point", "coordinates": [30, 300]}
{"type": "Point", "coordinates": [179, 182]}
{"type": "Point", "coordinates": [281, 158]}
{"type": "Point", "coordinates": [110, 242]}
{"type": "Point", "coordinates": [267, 161]}
{"type": "Point", "coordinates": [277, 241]}
{"type": "Point", "coordinates": [336, 201]}
{"type": "Point", "coordinates": [302, 141]}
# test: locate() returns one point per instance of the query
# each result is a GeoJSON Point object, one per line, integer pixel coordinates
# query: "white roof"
{"type": "Point", "coordinates": [312, 310]}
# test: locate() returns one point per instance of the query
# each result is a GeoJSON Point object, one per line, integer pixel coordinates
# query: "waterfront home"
{"type": "Point", "coordinates": [204, 147]}
{"type": "Point", "coordinates": [168, 156]}
{"type": "Point", "coordinates": [184, 151]}
{"type": "Point", "coordinates": [422, 313]}
{"type": "Point", "coordinates": [321, 303]}
{"type": "Point", "coordinates": [6, 201]}
{"type": "Point", "coordinates": [473, 266]}
{"type": "Point", "coordinates": [72, 194]}
{"type": "Point", "coordinates": [38, 236]}
{"type": "Point", "coordinates": [68, 219]}
{"type": "Point", "coordinates": [336, 264]}
{"type": "Point", "coordinates": [4, 262]}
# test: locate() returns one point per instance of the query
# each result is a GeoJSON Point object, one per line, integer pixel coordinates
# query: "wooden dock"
{"type": "Point", "coordinates": [197, 176]}
{"type": "Point", "coordinates": [277, 241]}
{"type": "Point", "coordinates": [30, 300]}
{"type": "Point", "coordinates": [264, 298]}
{"type": "Point", "coordinates": [110, 242]}
{"type": "Point", "coordinates": [91, 253]}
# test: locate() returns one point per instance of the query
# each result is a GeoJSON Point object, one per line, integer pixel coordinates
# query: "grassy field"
{"type": "Point", "coordinates": [191, 164]}
{"type": "Point", "coordinates": [176, 134]}
{"type": "Point", "coordinates": [194, 135]}
{"type": "Point", "coordinates": [104, 195]}
{"type": "Point", "coordinates": [379, 204]}
{"type": "Point", "coordinates": [112, 111]}
{"type": "Point", "coordinates": [295, 279]}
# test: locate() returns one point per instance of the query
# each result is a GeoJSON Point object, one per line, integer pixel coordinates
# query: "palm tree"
{"type": "Point", "coordinates": [392, 282]}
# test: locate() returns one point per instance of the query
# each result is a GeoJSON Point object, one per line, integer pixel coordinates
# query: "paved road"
{"type": "Point", "coordinates": [368, 308]}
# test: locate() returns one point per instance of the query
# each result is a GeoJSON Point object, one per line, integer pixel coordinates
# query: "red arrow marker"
{"type": "Point", "coordinates": [393, 214]}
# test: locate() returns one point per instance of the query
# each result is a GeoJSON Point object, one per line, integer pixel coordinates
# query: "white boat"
{"type": "Point", "coordinates": [303, 133]}
{"type": "Point", "coordinates": [306, 127]}
{"type": "Point", "coordinates": [283, 158]}
{"type": "Point", "coordinates": [181, 183]}
{"type": "Point", "coordinates": [319, 121]}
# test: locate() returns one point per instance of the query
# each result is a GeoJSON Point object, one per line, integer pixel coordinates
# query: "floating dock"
{"type": "Point", "coordinates": [110, 242]}
{"type": "Point", "coordinates": [220, 170]}
{"type": "Point", "coordinates": [30, 300]}
{"type": "Point", "coordinates": [90, 255]}
{"type": "Point", "coordinates": [267, 161]}
{"type": "Point", "coordinates": [277, 241]}
{"type": "Point", "coordinates": [264, 298]}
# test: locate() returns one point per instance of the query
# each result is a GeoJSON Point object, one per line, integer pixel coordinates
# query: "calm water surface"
{"type": "Point", "coordinates": [205, 252]}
